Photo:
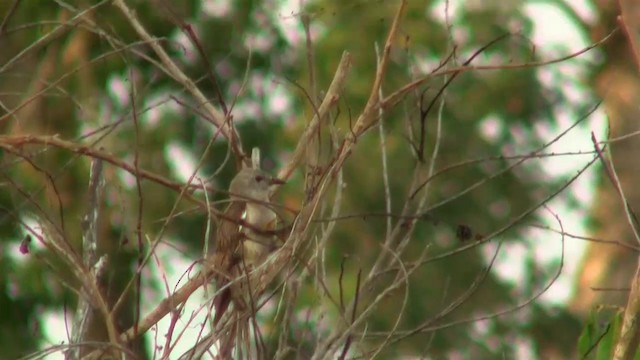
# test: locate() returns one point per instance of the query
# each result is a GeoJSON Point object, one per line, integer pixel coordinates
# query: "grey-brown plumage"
{"type": "Point", "coordinates": [249, 194]}
{"type": "Point", "coordinates": [251, 187]}
{"type": "Point", "coordinates": [243, 240]}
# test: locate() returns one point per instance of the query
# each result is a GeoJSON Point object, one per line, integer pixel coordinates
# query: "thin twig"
{"type": "Point", "coordinates": [215, 116]}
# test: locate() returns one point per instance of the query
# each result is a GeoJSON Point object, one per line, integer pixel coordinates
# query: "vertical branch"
{"type": "Point", "coordinates": [306, 24]}
{"type": "Point", "coordinates": [136, 164]}
{"type": "Point", "coordinates": [632, 218]}
{"type": "Point", "coordinates": [382, 68]}
{"type": "Point", "coordinates": [330, 99]}
{"type": "Point", "coordinates": [630, 22]}
{"type": "Point", "coordinates": [291, 290]}
{"type": "Point", "coordinates": [366, 119]}
{"type": "Point", "coordinates": [432, 163]}
{"type": "Point", "coordinates": [314, 149]}
{"type": "Point", "coordinates": [383, 155]}
{"type": "Point", "coordinates": [626, 345]}
{"type": "Point", "coordinates": [84, 311]}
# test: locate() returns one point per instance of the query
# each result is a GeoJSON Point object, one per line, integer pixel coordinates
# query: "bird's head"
{"type": "Point", "coordinates": [252, 184]}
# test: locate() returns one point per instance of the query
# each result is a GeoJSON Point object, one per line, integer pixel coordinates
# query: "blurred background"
{"type": "Point", "coordinates": [514, 155]}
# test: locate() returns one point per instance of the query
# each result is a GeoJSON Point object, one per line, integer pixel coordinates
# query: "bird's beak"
{"type": "Point", "coordinates": [276, 181]}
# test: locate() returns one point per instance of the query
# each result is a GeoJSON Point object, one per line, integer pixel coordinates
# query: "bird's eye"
{"type": "Point", "coordinates": [259, 178]}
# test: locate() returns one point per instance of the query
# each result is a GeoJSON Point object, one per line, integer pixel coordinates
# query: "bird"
{"type": "Point", "coordinates": [252, 186]}
{"type": "Point", "coordinates": [244, 239]}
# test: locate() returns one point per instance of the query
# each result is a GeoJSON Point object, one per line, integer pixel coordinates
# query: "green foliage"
{"type": "Point", "coordinates": [600, 334]}
{"type": "Point", "coordinates": [515, 97]}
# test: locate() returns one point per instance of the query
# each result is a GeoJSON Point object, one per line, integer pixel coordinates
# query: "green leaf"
{"type": "Point", "coordinates": [588, 336]}
{"type": "Point", "coordinates": [608, 340]}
